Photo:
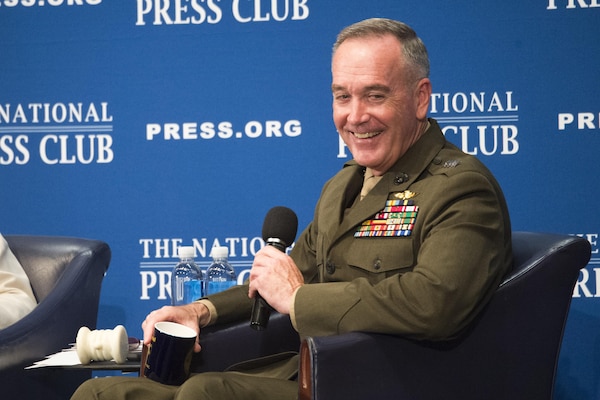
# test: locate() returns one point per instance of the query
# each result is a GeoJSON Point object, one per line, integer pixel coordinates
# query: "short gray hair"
{"type": "Point", "coordinates": [413, 48]}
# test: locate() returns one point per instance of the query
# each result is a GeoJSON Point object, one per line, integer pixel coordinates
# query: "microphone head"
{"type": "Point", "coordinates": [280, 223]}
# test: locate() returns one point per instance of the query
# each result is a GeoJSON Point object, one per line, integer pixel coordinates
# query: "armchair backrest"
{"type": "Point", "coordinates": [509, 352]}
{"type": "Point", "coordinates": [44, 259]}
{"type": "Point", "coordinates": [514, 346]}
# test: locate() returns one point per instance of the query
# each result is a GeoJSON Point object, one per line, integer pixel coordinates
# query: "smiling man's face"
{"type": "Point", "coordinates": [378, 109]}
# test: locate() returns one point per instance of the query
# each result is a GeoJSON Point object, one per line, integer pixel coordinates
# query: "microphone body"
{"type": "Point", "coordinates": [279, 231]}
{"type": "Point", "coordinates": [261, 312]}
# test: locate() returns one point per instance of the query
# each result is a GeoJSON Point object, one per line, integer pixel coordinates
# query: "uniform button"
{"type": "Point", "coordinates": [437, 161]}
{"type": "Point", "coordinates": [377, 265]}
{"type": "Point", "coordinates": [330, 267]}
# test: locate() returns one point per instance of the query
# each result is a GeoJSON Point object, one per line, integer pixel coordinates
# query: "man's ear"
{"type": "Point", "coordinates": [423, 97]}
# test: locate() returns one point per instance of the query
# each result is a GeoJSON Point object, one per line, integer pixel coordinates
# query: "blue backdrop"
{"type": "Point", "coordinates": [154, 123]}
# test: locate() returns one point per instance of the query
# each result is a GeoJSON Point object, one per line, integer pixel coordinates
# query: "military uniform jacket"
{"type": "Point", "coordinates": [427, 279]}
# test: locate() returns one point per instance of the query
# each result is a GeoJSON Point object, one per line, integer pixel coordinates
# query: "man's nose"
{"type": "Point", "coordinates": [358, 113]}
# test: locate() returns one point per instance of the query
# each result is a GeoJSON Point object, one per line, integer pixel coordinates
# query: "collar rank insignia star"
{"type": "Point", "coordinates": [396, 219]}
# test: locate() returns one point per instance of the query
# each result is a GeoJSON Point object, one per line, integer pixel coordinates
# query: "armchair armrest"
{"type": "Point", "coordinates": [227, 344]}
{"type": "Point", "coordinates": [365, 365]}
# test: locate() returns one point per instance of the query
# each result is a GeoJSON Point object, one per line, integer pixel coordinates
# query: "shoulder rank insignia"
{"type": "Point", "coordinates": [396, 219]}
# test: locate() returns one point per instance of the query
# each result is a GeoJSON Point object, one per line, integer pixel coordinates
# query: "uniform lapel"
{"type": "Point", "coordinates": [339, 196]}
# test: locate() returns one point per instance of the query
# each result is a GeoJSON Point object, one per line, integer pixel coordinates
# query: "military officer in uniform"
{"type": "Point", "coordinates": [410, 238]}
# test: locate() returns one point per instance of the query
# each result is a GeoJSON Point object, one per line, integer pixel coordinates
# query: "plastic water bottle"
{"type": "Point", "coordinates": [186, 280]}
{"type": "Point", "coordinates": [220, 274]}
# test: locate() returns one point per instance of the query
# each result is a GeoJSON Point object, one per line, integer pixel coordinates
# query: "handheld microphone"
{"type": "Point", "coordinates": [279, 231]}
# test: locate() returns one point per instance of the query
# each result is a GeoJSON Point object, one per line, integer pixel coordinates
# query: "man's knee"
{"type": "Point", "coordinates": [115, 388]}
{"type": "Point", "coordinates": [232, 385]}
{"type": "Point", "coordinates": [204, 385]}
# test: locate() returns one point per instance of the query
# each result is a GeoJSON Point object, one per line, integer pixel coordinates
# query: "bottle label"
{"type": "Point", "coordinates": [219, 286]}
{"type": "Point", "coordinates": [193, 291]}
{"type": "Point", "coordinates": [186, 291]}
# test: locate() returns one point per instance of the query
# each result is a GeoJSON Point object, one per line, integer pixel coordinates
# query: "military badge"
{"type": "Point", "coordinates": [396, 219]}
{"type": "Point", "coordinates": [407, 194]}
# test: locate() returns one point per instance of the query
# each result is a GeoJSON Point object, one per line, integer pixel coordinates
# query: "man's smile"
{"type": "Point", "coordinates": [365, 135]}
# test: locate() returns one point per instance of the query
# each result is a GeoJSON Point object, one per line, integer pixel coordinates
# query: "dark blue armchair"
{"type": "Point", "coordinates": [510, 352]}
{"type": "Point", "coordinates": [66, 276]}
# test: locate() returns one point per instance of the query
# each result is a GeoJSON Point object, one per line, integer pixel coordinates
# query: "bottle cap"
{"type": "Point", "coordinates": [219, 252]}
{"type": "Point", "coordinates": [186, 252]}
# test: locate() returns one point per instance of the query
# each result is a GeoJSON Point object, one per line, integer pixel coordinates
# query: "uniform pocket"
{"type": "Point", "coordinates": [382, 255]}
